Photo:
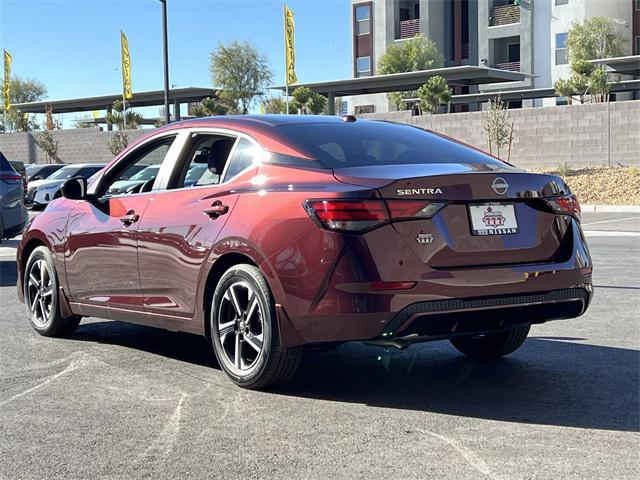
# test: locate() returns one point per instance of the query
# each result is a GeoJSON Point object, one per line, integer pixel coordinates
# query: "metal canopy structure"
{"type": "Point", "coordinates": [140, 99]}
{"type": "Point", "coordinates": [529, 94]}
{"type": "Point", "coordinates": [460, 75]}
{"type": "Point", "coordinates": [629, 65]}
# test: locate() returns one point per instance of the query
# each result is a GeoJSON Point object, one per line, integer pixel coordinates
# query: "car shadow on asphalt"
{"type": "Point", "coordinates": [549, 381]}
{"type": "Point", "coordinates": [8, 274]}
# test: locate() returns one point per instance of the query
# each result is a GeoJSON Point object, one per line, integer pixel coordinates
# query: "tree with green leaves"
{"type": "Point", "coordinates": [594, 38]}
{"type": "Point", "coordinates": [433, 94]}
{"type": "Point", "coordinates": [276, 105]}
{"type": "Point", "coordinates": [22, 91]}
{"type": "Point", "coordinates": [307, 101]}
{"type": "Point", "coordinates": [116, 117]}
{"type": "Point", "coordinates": [241, 72]}
{"type": "Point", "coordinates": [48, 144]}
{"type": "Point", "coordinates": [210, 107]}
{"type": "Point", "coordinates": [498, 127]}
{"type": "Point", "coordinates": [119, 139]}
{"type": "Point", "coordinates": [419, 53]}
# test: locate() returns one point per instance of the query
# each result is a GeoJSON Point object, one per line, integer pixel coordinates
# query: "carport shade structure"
{"type": "Point", "coordinates": [140, 99]}
{"type": "Point", "coordinates": [408, 81]}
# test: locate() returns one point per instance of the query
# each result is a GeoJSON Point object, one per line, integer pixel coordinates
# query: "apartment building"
{"type": "Point", "coordinates": [527, 36]}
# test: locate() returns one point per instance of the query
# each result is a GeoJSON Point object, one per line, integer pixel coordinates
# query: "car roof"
{"type": "Point", "coordinates": [265, 120]}
{"type": "Point", "coordinates": [82, 165]}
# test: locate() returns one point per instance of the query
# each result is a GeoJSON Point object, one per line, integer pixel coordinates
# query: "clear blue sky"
{"type": "Point", "coordinates": [73, 46]}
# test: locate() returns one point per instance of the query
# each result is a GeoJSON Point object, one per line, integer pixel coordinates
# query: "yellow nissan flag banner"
{"type": "Point", "coordinates": [126, 66]}
{"type": "Point", "coordinates": [289, 49]}
{"type": "Point", "coordinates": [6, 86]}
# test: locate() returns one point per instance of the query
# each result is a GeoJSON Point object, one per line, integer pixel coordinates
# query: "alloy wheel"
{"type": "Point", "coordinates": [241, 328]}
{"type": "Point", "coordinates": [40, 293]}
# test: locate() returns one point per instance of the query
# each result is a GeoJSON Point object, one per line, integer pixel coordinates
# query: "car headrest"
{"type": "Point", "coordinates": [218, 154]}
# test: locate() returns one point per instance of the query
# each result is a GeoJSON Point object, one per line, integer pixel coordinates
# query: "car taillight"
{"type": "Point", "coordinates": [348, 215]}
{"type": "Point", "coordinates": [10, 177]}
{"type": "Point", "coordinates": [405, 209]}
{"type": "Point", "coordinates": [566, 205]}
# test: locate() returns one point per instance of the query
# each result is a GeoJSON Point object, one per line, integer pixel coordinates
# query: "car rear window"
{"type": "Point", "coordinates": [4, 163]}
{"type": "Point", "coordinates": [364, 143]}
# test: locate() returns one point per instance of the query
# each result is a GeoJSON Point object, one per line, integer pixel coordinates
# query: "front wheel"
{"type": "Point", "coordinates": [244, 331]}
{"type": "Point", "coordinates": [41, 296]}
{"type": "Point", "coordinates": [492, 345]}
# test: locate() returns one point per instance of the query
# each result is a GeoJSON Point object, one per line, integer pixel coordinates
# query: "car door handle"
{"type": "Point", "coordinates": [216, 209]}
{"type": "Point", "coordinates": [129, 218]}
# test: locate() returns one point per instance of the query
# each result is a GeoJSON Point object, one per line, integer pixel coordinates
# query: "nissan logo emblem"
{"type": "Point", "coordinates": [500, 186]}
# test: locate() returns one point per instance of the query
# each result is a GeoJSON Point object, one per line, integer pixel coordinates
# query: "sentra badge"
{"type": "Point", "coordinates": [418, 191]}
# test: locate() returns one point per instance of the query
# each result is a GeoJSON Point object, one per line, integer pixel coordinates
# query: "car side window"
{"type": "Point", "coordinates": [205, 160]}
{"type": "Point", "coordinates": [241, 158]}
{"type": "Point", "coordinates": [139, 170]}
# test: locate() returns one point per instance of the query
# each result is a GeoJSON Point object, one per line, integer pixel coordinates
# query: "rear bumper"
{"type": "Point", "coordinates": [480, 299]}
{"type": "Point", "coordinates": [440, 319]}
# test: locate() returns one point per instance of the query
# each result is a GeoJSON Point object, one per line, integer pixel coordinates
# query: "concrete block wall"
{"type": "Point", "coordinates": [572, 135]}
{"type": "Point", "coordinates": [82, 145]}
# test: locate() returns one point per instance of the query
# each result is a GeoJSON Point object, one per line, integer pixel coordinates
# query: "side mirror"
{"type": "Point", "coordinates": [75, 188]}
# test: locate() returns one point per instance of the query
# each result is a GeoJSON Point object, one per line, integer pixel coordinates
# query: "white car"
{"type": "Point", "coordinates": [41, 192]}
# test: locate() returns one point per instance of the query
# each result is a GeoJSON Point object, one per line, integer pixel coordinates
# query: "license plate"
{"type": "Point", "coordinates": [493, 219]}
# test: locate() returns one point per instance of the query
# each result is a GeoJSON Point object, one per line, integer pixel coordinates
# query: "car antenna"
{"type": "Point", "coordinates": [348, 118]}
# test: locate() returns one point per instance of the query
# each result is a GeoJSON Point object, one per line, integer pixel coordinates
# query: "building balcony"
{"type": "Point", "coordinates": [409, 28]}
{"type": "Point", "coordinates": [511, 66]}
{"type": "Point", "coordinates": [504, 15]}
{"type": "Point", "coordinates": [464, 53]}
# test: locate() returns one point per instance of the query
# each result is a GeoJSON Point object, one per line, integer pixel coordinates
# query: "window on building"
{"type": "Point", "coordinates": [561, 2]}
{"type": "Point", "coordinates": [360, 109]}
{"type": "Point", "coordinates": [363, 20]}
{"type": "Point", "coordinates": [562, 101]}
{"type": "Point", "coordinates": [637, 52]}
{"type": "Point", "coordinates": [363, 66]}
{"type": "Point", "coordinates": [561, 49]}
{"type": "Point", "coordinates": [638, 5]}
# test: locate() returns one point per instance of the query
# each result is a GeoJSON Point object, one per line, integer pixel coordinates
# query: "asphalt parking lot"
{"type": "Point", "coordinates": [125, 401]}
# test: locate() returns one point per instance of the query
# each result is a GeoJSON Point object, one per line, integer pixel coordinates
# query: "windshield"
{"type": "Point", "coordinates": [364, 143]}
{"type": "Point", "coordinates": [64, 173]}
{"type": "Point", "coordinates": [147, 173]}
{"type": "Point", "coordinates": [195, 172]}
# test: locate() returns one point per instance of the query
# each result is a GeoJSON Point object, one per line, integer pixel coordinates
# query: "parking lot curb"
{"type": "Point", "coordinates": [610, 208]}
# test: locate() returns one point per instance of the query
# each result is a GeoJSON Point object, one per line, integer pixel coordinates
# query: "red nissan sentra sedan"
{"type": "Point", "coordinates": [270, 233]}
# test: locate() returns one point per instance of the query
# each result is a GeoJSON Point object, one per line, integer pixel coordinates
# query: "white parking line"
{"type": "Point", "coordinates": [609, 233]}
{"type": "Point", "coordinates": [609, 221]}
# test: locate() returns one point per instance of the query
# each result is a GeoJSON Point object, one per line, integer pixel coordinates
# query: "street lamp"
{"type": "Point", "coordinates": [165, 48]}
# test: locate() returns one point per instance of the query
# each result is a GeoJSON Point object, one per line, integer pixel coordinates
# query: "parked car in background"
{"type": "Point", "coordinates": [41, 192]}
{"type": "Point", "coordinates": [40, 171]}
{"type": "Point", "coordinates": [13, 213]}
{"type": "Point", "coordinates": [136, 181]}
{"type": "Point", "coordinates": [19, 167]}
{"type": "Point", "coordinates": [310, 231]}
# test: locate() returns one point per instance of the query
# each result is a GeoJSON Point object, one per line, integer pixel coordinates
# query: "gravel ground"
{"type": "Point", "coordinates": [603, 185]}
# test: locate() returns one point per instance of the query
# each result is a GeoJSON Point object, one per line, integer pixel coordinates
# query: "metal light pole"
{"type": "Point", "coordinates": [165, 48]}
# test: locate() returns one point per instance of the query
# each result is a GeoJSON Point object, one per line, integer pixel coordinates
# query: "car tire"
{"type": "Point", "coordinates": [42, 296]}
{"type": "Point", "coordinates": [492, 345]}
{"type": "Point", "coordinates": [244, 331]}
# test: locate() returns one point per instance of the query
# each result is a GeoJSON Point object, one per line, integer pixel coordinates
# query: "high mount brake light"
{"type": "Point", "coordinates": [363, 215]}
{"type": "Point", "coordinates": [566, 205]}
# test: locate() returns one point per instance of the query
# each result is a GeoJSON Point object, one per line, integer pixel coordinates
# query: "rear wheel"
{"type": "Point", "coordinates": [492, 345]}
{"type": "Point", "coordinates": [244, 331]}
{"type": "Point", "coordinates": [41, 296]}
